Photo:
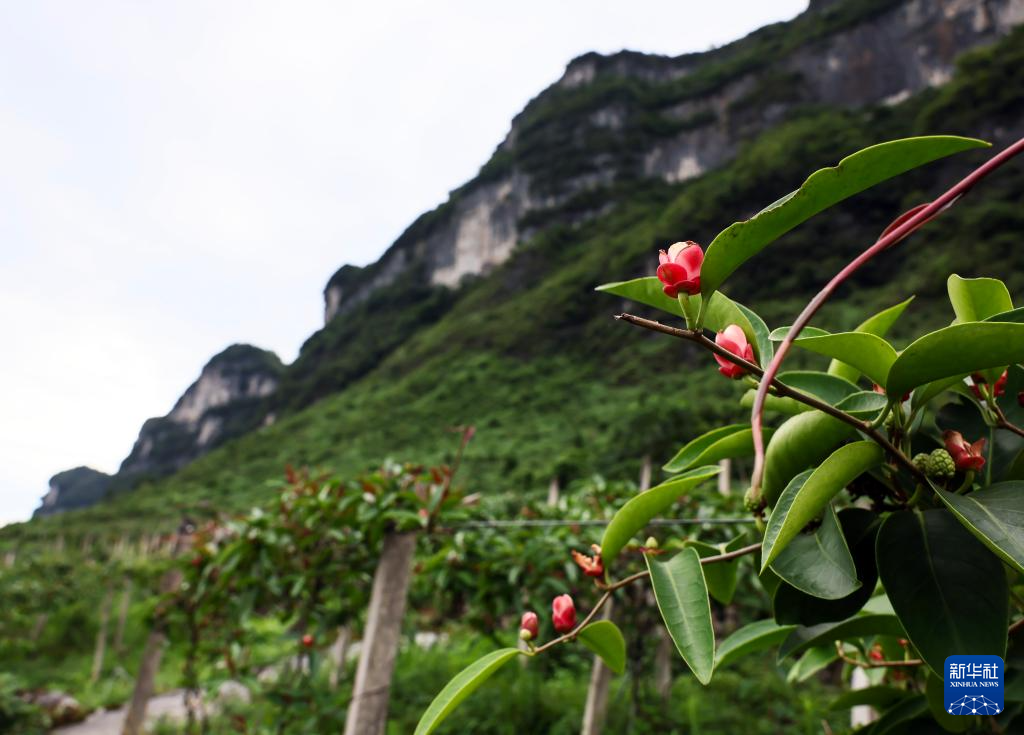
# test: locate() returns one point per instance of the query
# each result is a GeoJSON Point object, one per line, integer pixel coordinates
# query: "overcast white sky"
{"type": "Point", "coordinates": [178, 176]}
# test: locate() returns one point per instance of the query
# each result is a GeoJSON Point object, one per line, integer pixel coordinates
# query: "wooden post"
{"type": "Point", "coordinates": [553, 491]}
{"type": "Point", "coordinates": [862, 714]}
{"type": "Point", "coordinates": [101, 636]}
{"type": "Point", "coordinates": [122, 617]}
{"type": "Point", "coordinates": [339, 655]}
{"type": "Point", "coordinates": [145, 683]}
{"type": "Point", "coordinates": [725, 477]}
{"type": "Point", "coordinates": [597, 694]}
{"type": "Point", "coordinates": [645, 473]}
{"type": "Point", "coordinates": [368, 711]}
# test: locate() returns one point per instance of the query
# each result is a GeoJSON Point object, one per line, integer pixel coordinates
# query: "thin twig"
{"type": "Point", "coordinates": [890, 236]}
{"type": "Point", "coordinates": [1005, 423]}
{"type": "Point", "coordinates": [1015, 627]}
{"type": "Point", "coordinates": [779, 387]}
{"type": "Point", "coordinates": [609, 589]}
{"type": "Point", "coordinates": [875, 664]}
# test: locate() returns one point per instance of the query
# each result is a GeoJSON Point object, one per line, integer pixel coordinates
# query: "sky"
{"type": "Point", "coordinates": [179, 176]}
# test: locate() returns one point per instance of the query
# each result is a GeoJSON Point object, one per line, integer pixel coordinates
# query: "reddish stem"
{"type": "Point", "coordinates": [890, 237]}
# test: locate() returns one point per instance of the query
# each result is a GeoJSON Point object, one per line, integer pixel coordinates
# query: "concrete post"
{"type": "Point", "coordinates": [368, 711]}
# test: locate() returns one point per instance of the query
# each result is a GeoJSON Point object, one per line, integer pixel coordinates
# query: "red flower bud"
{"type": "Point", "coordinates": [679, 268]}
{"type": "Point", "coordinates": [563, 613]}
{"type": "Point", "coordinates": [529, 625]}
{"type": "Point", "coordinates": [307, 641]}
{"type": "Point", "coordinates": [592, 566]}
{"type": "Point", "coordinates": [1000, 387]}
{"type": "Point", "coordinates": [966, 456]}
{"type": "Point", "coordinates": [735, 341]}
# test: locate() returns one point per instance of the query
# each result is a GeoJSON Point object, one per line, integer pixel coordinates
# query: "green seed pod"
{"type": "Point", "coordinates": [921, 461]}
{"type": "Point", "coordinates": [940, 465]}
{"type": "Point", "coordinates": [651, 543]}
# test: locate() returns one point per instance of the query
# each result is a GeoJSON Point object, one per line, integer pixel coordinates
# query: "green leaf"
{"type": "Point", "coordinates": [780, 333]}
{"type": "Point", "coordinates": [722, 443]}
{"type": "Point", "coordinates": [803, 637]}
{"type": "Point", "coordinates": [721, 311]}
{"type": "Point", "coordinates": [893, 719]}
{"type": "Point", "coordinates": [996, 516]}
{"type": "Point", "coordinates": [828, 388]}
{"type": "Point", "coordinates": [682, 598]}
{"type": "Point", "coordinates": [808, 496]}
{"type": "Point", "coordinates": [949, 592]}
{"type": "Point", "coordinates": [864, 352]}
{"type": "Point", "coordinates": [634, 515]}
{"type": "Point", "coordinates": [924, 393]}
{"type": "Point", "coordinates": [976, 299]}
{"type": "Point", "coordinates": [863, 405]}
{"type": "Point", "coordinates": [879, 697]}
{"type": "Point", "coordinates": [464, 683]}
{"type": "Point", "coordinates": [791, 605]}
{"type": "Point", "coordinates": [822, 189]}
{"type": "Point", "coordinates": [935, 693]}
{"type": "Point", "coordinates": [877, 325]}
{"type": "Point", "coordinates": [819, 564]}
{"type": "Point", "coordinates": [749, 639]}
{"type": "Point", "coordinates": [720, 577]}
{"type": "Point", "coordinates": [1014, 315]}
{"type": "Point", "coordinates": [801, 442]}
{"type": "Point", "coordinates": [811, 663]}
{"type": "Point", "coordinates": [605, 639]}
{"type": "Point", "coordinates": [957, 350]}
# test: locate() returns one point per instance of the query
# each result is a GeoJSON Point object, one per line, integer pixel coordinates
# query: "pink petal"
{"type": "Point", "coordinates": [663, 257]}
{"type": "Point", "coordinates": [671, 274]}
{"type": "Point", "coordinates": [736, 334]}
{"type": "Point", "coordinates": [691, 257]}
{"type": "Point", "coordinates": [691, 286]}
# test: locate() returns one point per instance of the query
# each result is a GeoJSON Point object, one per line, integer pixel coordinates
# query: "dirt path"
{"type": "Point", "coordinates": [108, 722]}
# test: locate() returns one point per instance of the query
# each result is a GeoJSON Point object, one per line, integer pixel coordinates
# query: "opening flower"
{"type": "Point", "coordinates": [563, 613]}
{"type": "Point", "coordinates": [529, 626]}
{"type": "Point", "coordinates": [998, 388]}
{"type": "Point", "coordinates": [591, 565]}
{"type": "Point", "coordinates": [735, 341]}
{"type": "Point", "coordinates": [679, 269]}
{"type": "Point", "coordinates": [966, 456]}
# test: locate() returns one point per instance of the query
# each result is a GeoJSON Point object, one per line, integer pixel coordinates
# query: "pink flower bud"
{"type": "Point", "coordinates": [529, 626]}
{"type": "Point", "coordinates": [735, 341]}
{"type": "Point", "coordinates": [966, 456]}
{"type": "Point", "coordinates": [563, 613]}
{"type": "Point", "coordinates": [679, 269]}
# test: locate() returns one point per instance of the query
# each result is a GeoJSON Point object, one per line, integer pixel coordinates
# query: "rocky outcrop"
{"type": "Point", "coordinates": [224, 402]}
{"type": "Point", "coordinates": [76, 488]}
{"type": "Point", "coordinates": [228, 400]}
{"type": "Point", "coordinates": [612, 119]}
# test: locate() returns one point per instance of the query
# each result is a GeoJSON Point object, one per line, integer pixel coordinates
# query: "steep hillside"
{"type": "Point", "coordinates": [528, 352]}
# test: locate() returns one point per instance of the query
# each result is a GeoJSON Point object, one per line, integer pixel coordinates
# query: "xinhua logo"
{"type": "Point", "coordinates": [974, 685]}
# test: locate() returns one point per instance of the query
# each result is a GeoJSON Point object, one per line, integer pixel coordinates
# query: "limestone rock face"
{"type": "Point", "coordinates": [631, 116]}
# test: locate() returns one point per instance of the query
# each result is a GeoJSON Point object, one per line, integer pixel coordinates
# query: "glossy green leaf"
{"type": "Point", "coordinates": [634, 515]}
{"type": "Point", "coordinates": [864, 352]}
{"type": "Point", "coordinates": [791, 605]}
{"type": "Point", "coordinates": [936, 695]}
{"type": "Point", "coordinates": [822, 189]}
{"type": "Point", "coordinates": [721, 310]}
{"type": "Point", "coordinates": [896, 718]}
{"type": "Point", "coordinates": [828, 388]}
{"type": "Point", "coordinates": [780, 333]}
{"type": "Point", "coordinates": [749, 639]}
{"type": "Point", "coordinates": [879, 697]}
{"type": "Point", "coordinates": [682, 598]}
{"type": "Point", "coordinates": [1014, 315]}
{"type": "Point", "coordinates": [948, 590]}
{"type": "Point", "coordinates": [864, 404]}
{"type": "Point", "coordinates": [819, 564]}
{"type": "Point", "coordinates": [811, 663]}
{"type": "Point", "coordinates": [976, 299]}
{"type": "Point", "coordinates": [804, 637]}
{"type": "Point", "coordinates": [722, 443]}
{"type": "Point", "coordinates": [802, 441]}
{"type": "Point", "coordinates": [878, 325]}
{"type": "Point", "coordinates": [720, 577]}
{"type": "Point", "coordinates": [464, 683]}
{"type": "Point", "coordinates": [605, 639]}
{"type": "Point", "coordinates": [960, 349]}
{"type": "Point", "coordinates": [924, 393]}
{"type": "Point", "coordinates": [802, 501]}
{"type": "Point", "coordinates": [996, 516]}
